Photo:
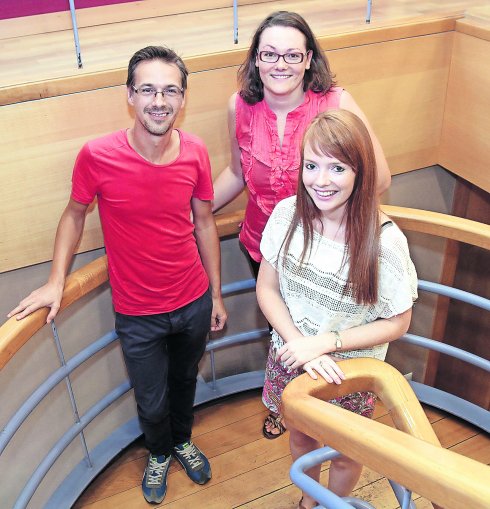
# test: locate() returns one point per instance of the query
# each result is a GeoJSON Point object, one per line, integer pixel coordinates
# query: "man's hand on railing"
{"type": "Point", "coordinates": [48, 295]}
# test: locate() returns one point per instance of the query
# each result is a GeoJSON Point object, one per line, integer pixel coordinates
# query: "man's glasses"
{"type": "Point", "coordinates": [170, 92]}
{"type": "Point", "coordinates": [271, 57]}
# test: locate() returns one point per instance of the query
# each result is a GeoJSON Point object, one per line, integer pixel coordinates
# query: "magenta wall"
{"type": "Point", "coordinates": [18, 8]}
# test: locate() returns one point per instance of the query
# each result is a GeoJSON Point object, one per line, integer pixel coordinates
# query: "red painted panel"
{"type": "Point", "coordinates": [19, 8]}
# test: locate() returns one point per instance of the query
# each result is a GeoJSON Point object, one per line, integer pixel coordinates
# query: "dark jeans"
{"type": "Point", "coordinates": [162, 353]}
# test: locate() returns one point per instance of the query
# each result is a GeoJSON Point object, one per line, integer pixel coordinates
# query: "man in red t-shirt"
{"type": "Point", "coordinates": [164, 267]}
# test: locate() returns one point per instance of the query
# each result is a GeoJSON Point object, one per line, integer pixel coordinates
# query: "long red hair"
{"type": "Point", "coordinates": [343, 135]}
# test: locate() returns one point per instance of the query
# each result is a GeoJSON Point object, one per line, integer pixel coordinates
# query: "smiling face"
{"type": "Point", "coordinates": [155, 115]}
{"type": "Point", "coordinates": [328, 181]}
{"type": "Point", "coordinates": [281, 78]}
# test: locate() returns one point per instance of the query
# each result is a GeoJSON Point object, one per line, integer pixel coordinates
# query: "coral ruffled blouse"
{"type": "Point", "coordinates": [270, 169]}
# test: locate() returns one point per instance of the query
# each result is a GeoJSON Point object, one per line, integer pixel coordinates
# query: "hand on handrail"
{"type": "Point", "coordinates": [327, 367]}
{"type": "Point", "coordinates": [48, 295]}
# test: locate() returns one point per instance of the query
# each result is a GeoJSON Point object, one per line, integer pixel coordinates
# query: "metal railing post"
{"type": "Point", "coordinates": [70, 392]}
{"type": "Point", "coordinates": [368, 11]}
{"type": "Point", "coordinates": [75, 34]}
{"type": "Point", "coordinates": [235, 21]}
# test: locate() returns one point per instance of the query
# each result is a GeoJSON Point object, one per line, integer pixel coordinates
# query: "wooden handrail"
{"type": "Point", "coordinates": [417, 220]}
{"type": "Point", "coordinates": [440, 225]}
{"type": "Point", "coordinates": [13, 333]}
{"type": "Point", "coordinates": [410, 455]}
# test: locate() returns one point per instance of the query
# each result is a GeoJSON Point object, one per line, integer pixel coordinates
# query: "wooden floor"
{"type": "Point", "coordinates": [250, 471]}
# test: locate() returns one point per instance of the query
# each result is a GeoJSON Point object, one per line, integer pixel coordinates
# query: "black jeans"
{"type": "Point", "coordinates": [162, 353]}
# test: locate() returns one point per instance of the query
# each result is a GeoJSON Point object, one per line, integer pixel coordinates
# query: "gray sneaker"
{"type": "Point", "coordinates": [154, 484]}
{"type": "Point", "coordinates": [195, 464]}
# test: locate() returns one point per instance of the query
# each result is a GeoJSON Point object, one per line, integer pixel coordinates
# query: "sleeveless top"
{"type": "Point", "coordinates": [269, 169]}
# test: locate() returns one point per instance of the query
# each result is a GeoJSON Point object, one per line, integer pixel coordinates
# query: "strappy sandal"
{"type": "Point", "coordinates": [274, 422]}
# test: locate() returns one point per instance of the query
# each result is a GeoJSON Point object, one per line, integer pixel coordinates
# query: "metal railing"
{"type": "Point", "coordinates": [76, 37]}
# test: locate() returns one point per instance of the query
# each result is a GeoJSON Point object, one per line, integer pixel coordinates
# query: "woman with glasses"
{"type": "Point", "coordinates": [285, 82]}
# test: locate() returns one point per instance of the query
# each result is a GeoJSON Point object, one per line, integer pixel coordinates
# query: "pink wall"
{"type": "Point", "coordinates": [18, 8]}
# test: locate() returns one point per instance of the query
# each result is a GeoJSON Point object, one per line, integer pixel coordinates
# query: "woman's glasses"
{"type": "Point", "coordinates": [271, 57]}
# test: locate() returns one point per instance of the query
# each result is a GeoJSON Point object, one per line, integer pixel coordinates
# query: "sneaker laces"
{"type": "Point", "coordinates": [155, 470]}
{"type": "Point", "coordinates": [191, 454]}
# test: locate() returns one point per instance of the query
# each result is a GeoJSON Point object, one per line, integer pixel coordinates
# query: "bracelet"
{"type": "Point", "coordinates": [338, 340]}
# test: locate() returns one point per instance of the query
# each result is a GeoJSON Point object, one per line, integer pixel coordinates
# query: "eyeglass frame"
{"type": "Point", "coordinates": [283, 56]}
{"type": "Point", "coordinates": [163, 92]}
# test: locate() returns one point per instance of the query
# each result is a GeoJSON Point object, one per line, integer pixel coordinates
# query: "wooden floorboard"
{"type": "Point", "coordinates": [252, 472]}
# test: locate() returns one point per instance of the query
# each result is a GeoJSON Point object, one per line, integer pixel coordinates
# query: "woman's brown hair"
{"type": "Point", "coordinates": [343, 135]}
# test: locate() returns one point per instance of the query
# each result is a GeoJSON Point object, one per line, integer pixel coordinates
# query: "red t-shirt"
{"type": "Point", "coordinates": [145, 212]}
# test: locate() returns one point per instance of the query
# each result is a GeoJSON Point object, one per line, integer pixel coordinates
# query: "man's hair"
{"type": "Point", "coordinates": [156, 53]}
{"type": "Point", "coordinates": [318, 77]}
{"type": "Point", "coordinates": [343, 135]}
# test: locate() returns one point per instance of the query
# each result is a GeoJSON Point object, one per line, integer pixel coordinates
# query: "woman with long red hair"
{"type": "Point", "coordinates": [336, 279]}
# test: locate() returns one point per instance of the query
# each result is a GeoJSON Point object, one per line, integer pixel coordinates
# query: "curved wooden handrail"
{"type": "Point", "coordinates": [13, 333]}
{"type": "Point", "coordinates": [440, 225]}
{"type": "Point", "coordinates": [417, 220]}
{"type": "Point", "coordinates": [388, 384]}
{"type": "Point", "coordinates": [410, 455]}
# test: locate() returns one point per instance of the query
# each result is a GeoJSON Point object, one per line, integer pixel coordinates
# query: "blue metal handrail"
{"type": "Point", "coordinates": [315, 489]}
{"type": "Point", "coordinates": [454, 293]}
{"type": "Point", "coordinates": [45, 388]}
{"type": "Point", "coordinates": [65, 441]}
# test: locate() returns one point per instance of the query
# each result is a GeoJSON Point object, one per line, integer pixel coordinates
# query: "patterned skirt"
{"type": "Point", "coordinates": [277, 377]}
